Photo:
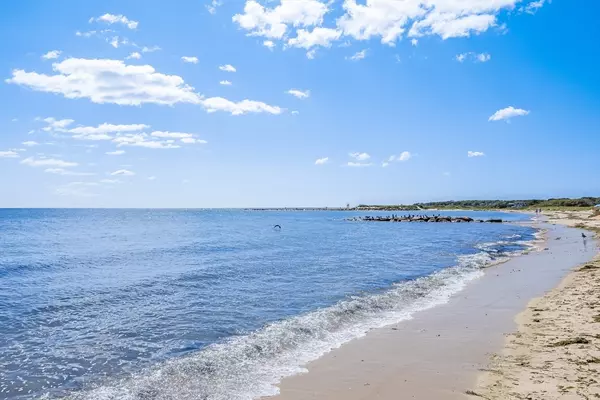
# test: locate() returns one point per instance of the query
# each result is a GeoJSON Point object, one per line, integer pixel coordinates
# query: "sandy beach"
{"type": "Point", "coordinates": [555, 352]}
{"type": "Point", "coordinates": [473, 346]}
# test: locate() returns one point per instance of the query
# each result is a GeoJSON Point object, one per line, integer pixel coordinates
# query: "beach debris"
{"type": "Point", "coordinates": [588, 267]}
{"type": "Point", "coordinates": [473, 393]}
{"type": "Point", "coordinates": [568, 342]}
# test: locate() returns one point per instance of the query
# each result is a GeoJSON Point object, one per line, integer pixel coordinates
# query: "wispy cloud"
{"type": "Point", "coordinates": [122, 172]}
{"type": "Point", "coordinates": [135, 55]}
{"type": "Point", "coordinates": [475, 154]}
{"type": "Point", "coordinates": [212, 7]}
{"type": "Point", "coordinates": [322, 161]}
{"type": "Point", "coordinates": [508, 113]}
{"type": "Point", "coordinates": [225, 83]}
{"type": "Point", "coordinates": [358, 55]}
{"type": "Point", "coordinates": [402, 157]}
{"type": "Point", "coordinates": [475, 57]}
{"type": "Point", "coordinates": [301, 94]}
{"type": "Point", "coordinates": [51, 55]}
{"type": "Point", "coordinates": [30, 143]}
{"type": "Point", "coordinates": [9, 154]}
{"type": "Point", "coordinates": [116, 19]}
{"type": "Point", "coordinates": [358, 164]}
{"type": "Point", "coordinates": [227, 68]}
{"type": "Point", "coordinates": [189, 59]}
{"type": "Point", "coordinates": [48, 162]}
{"type": "Point", "coordinates": [360, 156]}
{"type": "Point", "coordinates": [66, 172]}
{"type": "Point", "coordinates": [116, 153]}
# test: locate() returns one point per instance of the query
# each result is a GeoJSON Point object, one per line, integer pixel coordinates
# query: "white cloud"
{"type": "Point", "coordinates": [534, 6]}
{"type": "Point", "coordinates": [311, 54]}
{"type": "Point", "coordinates": [51, 55]}
{"type": "Point", "coordinates": [140, 140]}
{"type": "Point", "coordinates": [114, 42]}
{"type": "Point", "coordinates": [358, 164]}
{"type": "Point", "coordinates": [212, 7]}
{"type": "Point", "coordinates": [107, 128]}
{"type": "Point", "coordinates": [56, 124]}
{"type": "Point", "coordinates": [269, 44]}
{"type": "Point", "coordinates": [404, 156]}
{"type": "Point", "coordinates": [9, 154]}
{"type": "Point", "coordinates": [360, 156]}
{"type": "Point", "coordinates": [152, 49]}
{"type": "Point", "coordinates": [508, 113]}
{"type": "Point", "coordinates": [191, 60]}
{"type": "Point", "coordinates": [390, 19]}
{"type": "Point", "coordinates": [301, 94]}
{"type": "Point", "coordinates": [387, 20]}
{"type": "Point", "coordinates": [295, 112]}
{"type": "Point", "coordinates": [273, 22]}
{"type": "Point", "coordinates": [227, 68]}
{"type": "Point", "coordinates": [214, 104]}
{"type": "Point", "coordinates": [171, 135]}
{"type": "Point", "coordinates": [317, 37]}
{"type": "Point", "coordinates": [85, 34]}
{"type": "Point", "coordinates": [414, 42]}
{"type": "Point", "coordinates": [66, 172]}
{"type": "Point", "coordinates": [358, 56]}
{"type": "Point", "coordinates": [114, 19]}
{"type": "Point", "coordinates": [110, 181]}
{"type": "Point", "coordinates": [48, 162]}
{"type": "Point", "coordinates": [451, 25]}
{"type": "Point", "coordinates": [151, 178]}
{"type": "Point", "coordinates": [30, 143]}
{"type": "Point", "coordinates": [116, 153]}
{"type": "Point", "coordinates": [225, 83]}
{"type": "Point", "coordinates": [481, 57]}
{"type": "Point", "coordinates": [135, 55]}
{"type": "Point", "coordinates": [109, 81]}
{"type": "Point", "coordinates": [112, 81]}
{"type": "Point", "coordinates": [100, 136]}
{"type": "Point", "coordinates": [123, 172]}
{"type": "Point", "coordinates": [322, 161]}
{"type": "Point", "coordinates": [193, 141]}
{"type": "Point", "coordinates": [475, 154]}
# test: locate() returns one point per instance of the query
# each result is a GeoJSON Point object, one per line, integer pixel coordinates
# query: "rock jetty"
{"type": "Point", "coordinates": [422, 218]}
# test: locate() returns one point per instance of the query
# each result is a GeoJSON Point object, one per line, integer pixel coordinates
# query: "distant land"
{"type": "Point", "coordinates": [546, 204]}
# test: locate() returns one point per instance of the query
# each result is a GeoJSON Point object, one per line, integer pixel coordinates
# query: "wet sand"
{"type": "Point", "coordinates": [440, 352]}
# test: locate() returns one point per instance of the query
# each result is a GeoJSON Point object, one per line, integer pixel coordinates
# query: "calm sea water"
{"type": "Point", "coordinates": [211, 304]}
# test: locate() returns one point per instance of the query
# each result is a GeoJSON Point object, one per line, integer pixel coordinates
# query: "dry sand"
{"type": "Point", "coordinates": [440, 353]}
{"type": "Point", "coordinates": [555, 353]}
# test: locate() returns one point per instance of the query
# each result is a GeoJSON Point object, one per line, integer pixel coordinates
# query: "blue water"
{"type": "Point", "coordinates": [212, 304]}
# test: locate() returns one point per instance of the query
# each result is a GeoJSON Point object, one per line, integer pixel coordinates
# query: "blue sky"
{"type": "Point", "coordinates": [126, 104]}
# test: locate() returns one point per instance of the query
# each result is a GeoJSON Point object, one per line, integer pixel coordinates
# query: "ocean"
{"type": "Point", "coordinates": [213, 304]}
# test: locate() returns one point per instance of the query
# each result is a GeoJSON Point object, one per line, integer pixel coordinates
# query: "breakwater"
{"type": "Point", "coordinates": [423, 218]}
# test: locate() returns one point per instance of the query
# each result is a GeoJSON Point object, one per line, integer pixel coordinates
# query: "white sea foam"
{"type": "Point", "coordinates": [250, 366]}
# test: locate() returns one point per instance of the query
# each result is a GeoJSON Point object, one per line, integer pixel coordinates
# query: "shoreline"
{"type": "Point", "coordinates": [555, 351]}
{"type": "Point", "coordinates": [439, 352]}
